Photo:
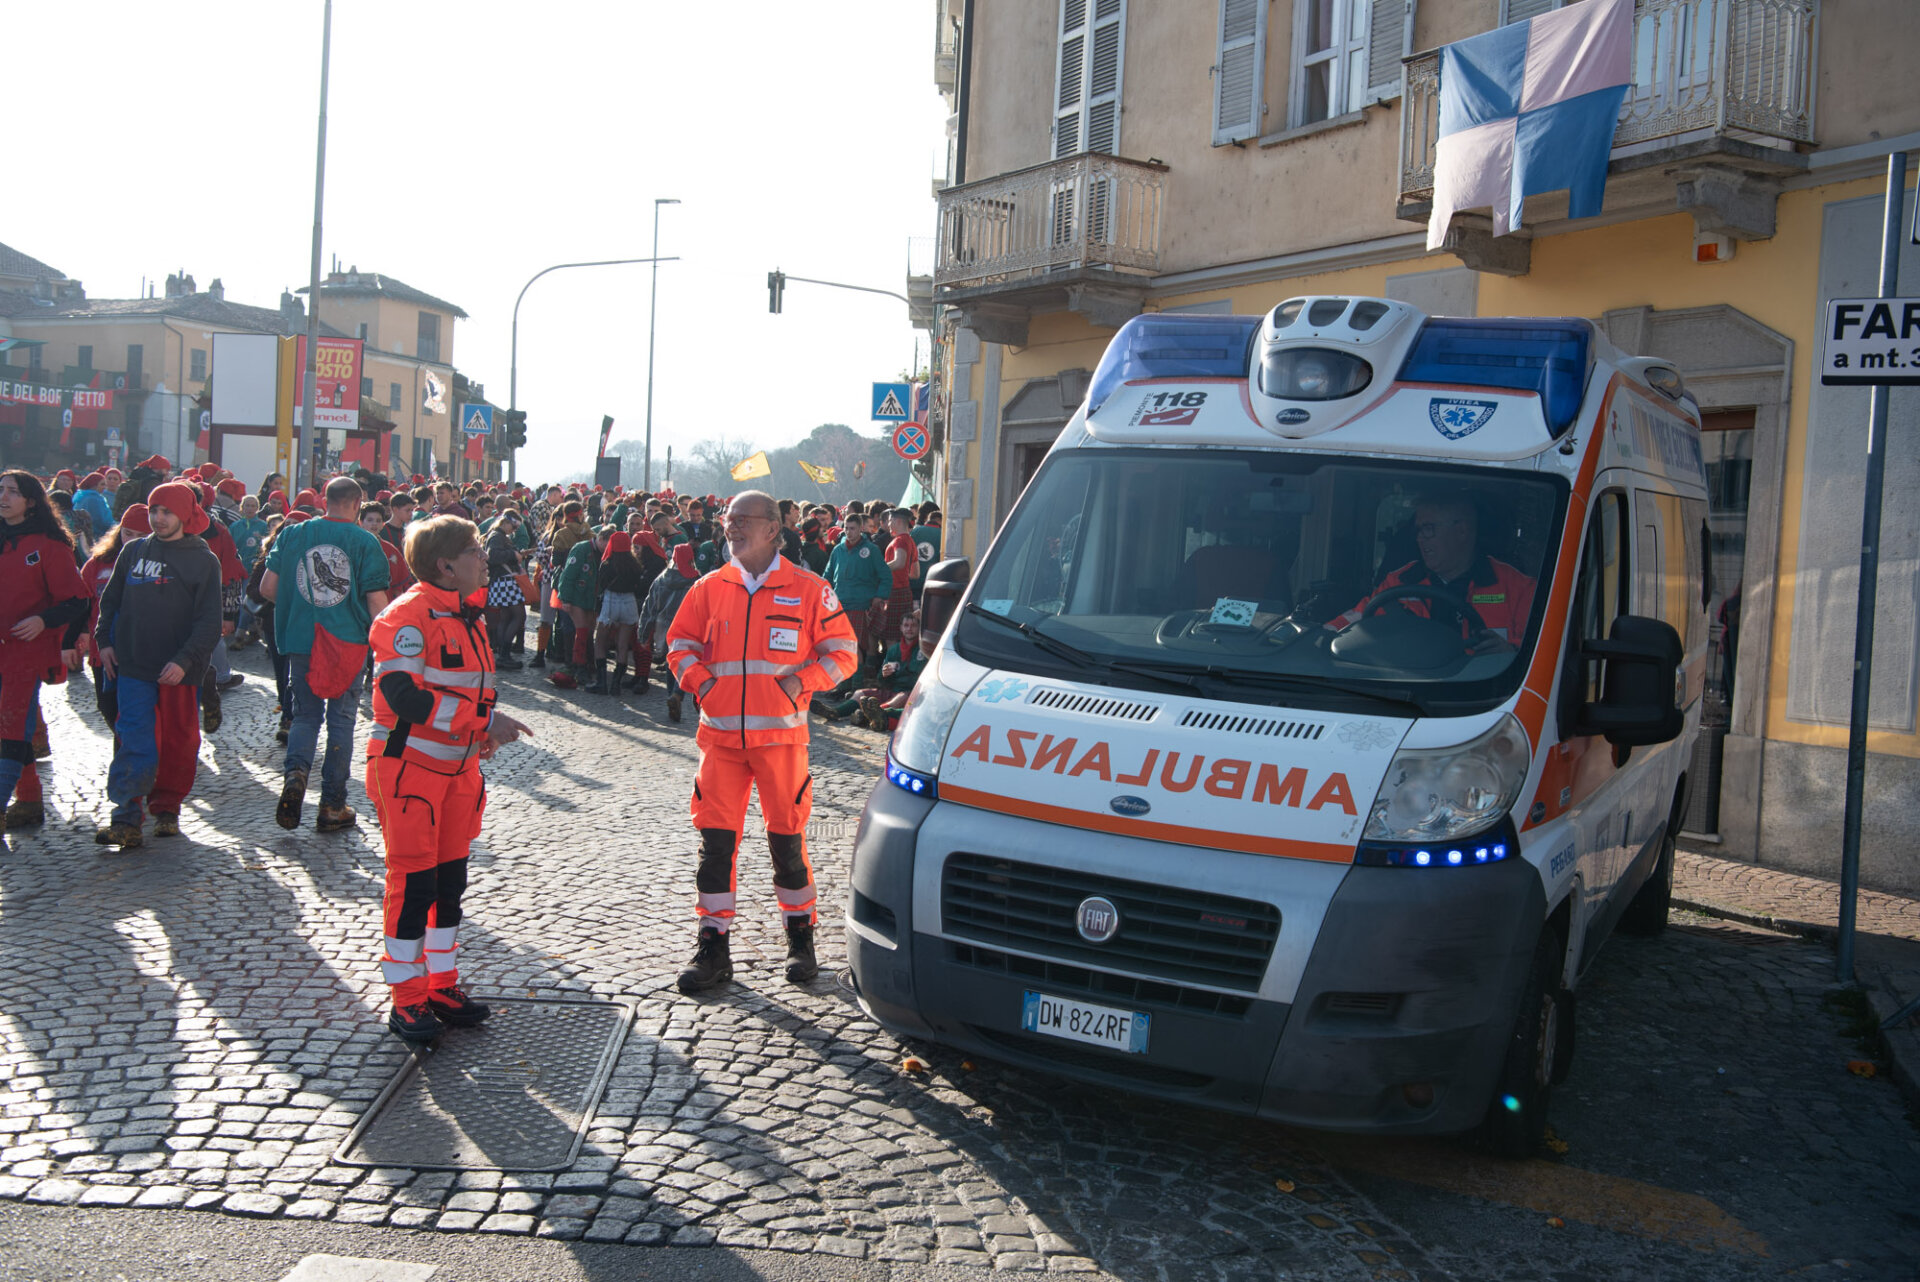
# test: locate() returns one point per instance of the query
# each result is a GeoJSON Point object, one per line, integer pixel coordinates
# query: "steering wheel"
{"type": "Point", "coordinates": [1460, 608]}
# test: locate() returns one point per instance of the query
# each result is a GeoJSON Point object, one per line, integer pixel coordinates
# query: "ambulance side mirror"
{"type": "Point", "coordinates": [940, 594]}
{"type": "Point", "coordinates": [1637, 704]}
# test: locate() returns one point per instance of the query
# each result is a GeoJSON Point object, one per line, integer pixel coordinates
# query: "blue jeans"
{"type": "Point", "coordinates": [16, 753]}
{"type": "Point", "coordinates": [303, 738]}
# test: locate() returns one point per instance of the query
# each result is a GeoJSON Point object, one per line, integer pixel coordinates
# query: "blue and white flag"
{"type": "Point", "coordinates": [1529, 108]}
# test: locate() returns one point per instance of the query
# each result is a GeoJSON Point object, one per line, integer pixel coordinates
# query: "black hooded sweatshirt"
{"type": "Point", "coordinates": [162, 606]}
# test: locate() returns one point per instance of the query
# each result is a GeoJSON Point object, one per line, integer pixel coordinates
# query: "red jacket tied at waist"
{"type": "Point", "coordinates": [744, 643]}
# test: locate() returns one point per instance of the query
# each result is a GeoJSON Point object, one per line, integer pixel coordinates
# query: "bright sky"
{"type": "Point", "coordinates": [471, 144]}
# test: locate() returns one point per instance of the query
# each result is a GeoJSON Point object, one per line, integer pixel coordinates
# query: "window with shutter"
{"type": "Point", "coordinates": [1521, 10]}
{"type": "Point", "coordinates": [1389, 40]}
{"type": "Point", "coordinates": [1086, 108]}
{"type": "Point", "coordinates": [1240, 70]}
{"type": "Point", "coordinates": [1331, 73]}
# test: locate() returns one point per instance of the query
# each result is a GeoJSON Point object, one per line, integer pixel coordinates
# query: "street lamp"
{"type": "Point", "coordinates": [513, 359]}
{"type": "Point", "coordinates": [653, 299]}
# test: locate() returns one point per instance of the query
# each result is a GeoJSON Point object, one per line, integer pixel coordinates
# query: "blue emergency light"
{"type": "Point", "coordinates": [1173, 345]}
{"type": "Point", "coordinates": [911, 780]}
{"type": "Point", "coordinates": [1551, 358]}
{"type": "Point", "coordinates": [1493, 846]}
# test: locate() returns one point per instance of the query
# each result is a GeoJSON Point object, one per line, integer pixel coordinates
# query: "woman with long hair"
{"type": "Point", "coordinates": [43, 607]}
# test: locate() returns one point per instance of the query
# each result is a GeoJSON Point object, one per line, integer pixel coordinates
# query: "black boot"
{"type": "Point", "coordinates": [619, 678]}
{"type": "Point", "coordinates": [801, 965]}
{"type": "Point", "coordinates": [505, 662]}
{"type": "Point", "coordinates": [599, 670]}
{"type": "Point", "coordinates": [712, 963]}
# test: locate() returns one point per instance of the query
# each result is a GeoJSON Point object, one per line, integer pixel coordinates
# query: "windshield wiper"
{"type": "Point", "coordinates": [1053, 645]}
{"type": "Point", "coordinates": [1075, 655]}
{"type": "Point", "coordinates": [1285, 681]}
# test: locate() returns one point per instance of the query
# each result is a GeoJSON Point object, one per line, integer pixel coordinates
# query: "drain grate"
{"type": "Point", "coordinates": [514, 1094]}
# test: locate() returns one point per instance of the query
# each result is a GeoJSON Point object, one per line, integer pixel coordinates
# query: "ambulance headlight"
{"type": "Point", "coordinates": [1434, 794]}
{"type": "Point", "coordinates": [1313, 374]}
{"type": "Point", "coordinates": [926, 721]}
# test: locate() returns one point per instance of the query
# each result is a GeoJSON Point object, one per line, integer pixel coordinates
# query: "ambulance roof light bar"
{"type": "Point", "coordinates": [1174, 345]}
{"type": "Point", "coordinates": [1551, 357]}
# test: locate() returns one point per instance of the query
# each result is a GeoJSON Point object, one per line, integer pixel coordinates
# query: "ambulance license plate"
{"type": "Point", "coordinates": [1076, 1021]}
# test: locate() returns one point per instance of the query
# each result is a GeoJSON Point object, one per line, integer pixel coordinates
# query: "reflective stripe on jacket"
{"type": "Point", "coordinates": [1499, 594]}
{"type": "Point", "coordinates": [443, 648]}
{"type": "Point", "coordinates": [744, 643]}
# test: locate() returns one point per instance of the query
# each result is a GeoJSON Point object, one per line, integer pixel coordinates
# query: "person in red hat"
{"type": "Point", "coordinates": [159, 621]}
{"type": "Point", "coordinates": [65, 481]}
{"type": "Point", "coordinates": [90, 499]}
{"type": "Point", "coordinates": [42, 601]}
{"type": "Point", "coordinates": [209, 472]}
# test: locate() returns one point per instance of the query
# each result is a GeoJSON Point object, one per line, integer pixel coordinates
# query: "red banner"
{"type": "Point", "coordinates": [78, 398]}
{"type": "Point", "coordinates": [336, 376]}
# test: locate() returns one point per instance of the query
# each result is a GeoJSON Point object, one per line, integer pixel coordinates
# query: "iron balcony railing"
{"type": "Point", "coordinates": [1700, 67]}
{"type": "Point", "coordinates": [1085, 211]}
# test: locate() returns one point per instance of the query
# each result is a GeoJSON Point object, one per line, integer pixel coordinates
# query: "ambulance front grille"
{"type": "Point", "coordinates": [1166, 932]}
{"type": "Point", "coordinates": [1235, 723]}
{"type": "Point", "coordinates": [1093, 705]}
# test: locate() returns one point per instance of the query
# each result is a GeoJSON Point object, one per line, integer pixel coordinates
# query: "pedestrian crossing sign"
{"type": "Point", "coordinates": [890, 401]}
{"type": "Point", "coordinates": [476, 420]}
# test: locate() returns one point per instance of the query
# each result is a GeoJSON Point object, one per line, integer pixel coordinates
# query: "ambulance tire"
{"type": "Point", "coordinates": [1646, 913]}
{"type": "Point", "coordinates": [1516, 1121]}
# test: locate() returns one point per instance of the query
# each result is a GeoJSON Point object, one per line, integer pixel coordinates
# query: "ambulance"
{"type": "Point", "coordinates": [1325, 702]}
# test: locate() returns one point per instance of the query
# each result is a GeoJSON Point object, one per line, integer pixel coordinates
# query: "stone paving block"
{"type": "Point", "coordinates": [109, 1195]}
{"type": "Point", "coordinates": [257, 1204]}
{"type": "Point", "coordinates": [646, 1233]}
{"type": "Point", "coordinates": [505, 1223]}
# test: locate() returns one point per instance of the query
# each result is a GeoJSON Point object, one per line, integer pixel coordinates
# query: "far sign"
{"type": "Point", "coordinates": [1872, 342]}
{"type": "Point", "coordinates": [476, 420]}
{"type": "Point", "coordinates": [890, 401]}
{"type": "Point", "coordinates": [910, 440]}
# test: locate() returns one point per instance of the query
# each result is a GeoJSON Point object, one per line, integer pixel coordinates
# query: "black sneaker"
{"type": "Point", "coordinates": [537, 661]}
{"type": "Point", "coordinates": [293, 798]}
{"type": "Point", "coordinates": [455, 1008]}
{"type": "Point", "coordinates": [801, 965]}
{"type": "Point", "coordinates": [211, 715]}
{"type": "Point", "coordinates": [416, 1024]}
{"type": "Point", "coordinates": [233, 682]}
{"type": "Point", "coordinates": [286, 726]}
{"type": "Point", "coordinates": [712, 963]}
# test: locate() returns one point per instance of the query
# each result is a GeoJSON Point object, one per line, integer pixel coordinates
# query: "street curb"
{"type": "Point", "coordinates": [1901, 1046]}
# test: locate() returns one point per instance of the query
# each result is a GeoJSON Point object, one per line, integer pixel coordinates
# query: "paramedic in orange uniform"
{"type": "Point", "coordinates": [434, 723]}
{"type": "Point", "coordinates": [753, 641]}
{"type": "Point", "coordinates": [1447, 530]}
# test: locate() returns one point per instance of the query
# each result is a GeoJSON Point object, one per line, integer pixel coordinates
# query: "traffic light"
{"type": "Point", "coordinates": [513, 428]}
{"type": "Point", "coordinates": [776, 286]}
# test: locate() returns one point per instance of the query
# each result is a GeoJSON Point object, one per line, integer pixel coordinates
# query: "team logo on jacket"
{"type": "Point", "coordinates": [1454, 417]}
{"type": "Point", "coordinates": [1131, 806]}
{"type": "Point", "coordinates": [325, 577]}
{"type": "Point", "coordinates": [408, 642]}
{"type": "Point", "coordinates": [33, 558]}
{"type": "Point", "coordinates": [828, 601]}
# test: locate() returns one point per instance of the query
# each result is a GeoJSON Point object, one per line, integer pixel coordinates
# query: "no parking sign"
{"type": "Point", "coordinates": [910, 440]}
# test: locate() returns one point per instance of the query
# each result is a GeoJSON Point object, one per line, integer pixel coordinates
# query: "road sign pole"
{"type": "Point", "coordinates": [1869, 589]}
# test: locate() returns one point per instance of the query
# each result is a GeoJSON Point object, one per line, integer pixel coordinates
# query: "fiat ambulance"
{"type": "Point", "coordinates": [1324, 703]}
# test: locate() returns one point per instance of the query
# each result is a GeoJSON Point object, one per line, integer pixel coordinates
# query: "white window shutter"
{"type": "Point", "coordinates": [1389, 39]}
{"type": "Point", "coordinates": [1069, 102]}
{"type": "Point", "coordinates": [1239, 74]}
{"type": "Point", "coordinates": [1105, 58]}
{"type": "Point", "coordinates": [1521, 10]}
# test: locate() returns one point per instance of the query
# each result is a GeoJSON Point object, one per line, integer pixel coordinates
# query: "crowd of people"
{"type": "Point", "coordinates": [417, 593]}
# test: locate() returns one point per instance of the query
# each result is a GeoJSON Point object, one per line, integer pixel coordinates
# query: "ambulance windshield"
{"type": "Point", "coordinates": [1280, 577]}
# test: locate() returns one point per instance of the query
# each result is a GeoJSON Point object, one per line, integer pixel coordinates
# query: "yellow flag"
{"type": "Point", "coordinates": [751, 466]}
{"type": "Point", "coordinates": [821, 475]}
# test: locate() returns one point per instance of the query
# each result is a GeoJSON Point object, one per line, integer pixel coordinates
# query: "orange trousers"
{"type": "Point", "coordinates": [428, 822]}
{"type": "Point", "coordinates": [779, 772]}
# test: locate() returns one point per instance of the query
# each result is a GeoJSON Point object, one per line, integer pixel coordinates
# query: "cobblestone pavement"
{"type": "Point", "coordinates": [1771, 895]}
{"type": "Point", "coordinates": [196, 1025]}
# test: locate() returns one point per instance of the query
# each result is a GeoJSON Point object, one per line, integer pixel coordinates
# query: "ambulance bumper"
{"type": "Point", "coordinates": [1381, 978]}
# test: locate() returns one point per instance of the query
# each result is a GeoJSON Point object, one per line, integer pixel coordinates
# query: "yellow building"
{"type": "Point", "coordinates": [1117, 156]}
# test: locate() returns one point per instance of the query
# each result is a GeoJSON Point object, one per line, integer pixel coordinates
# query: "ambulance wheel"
{"type": "Point", "coordinates": [1516, 1121]}
{"type": "Point", "coordinates": [1646, 913]}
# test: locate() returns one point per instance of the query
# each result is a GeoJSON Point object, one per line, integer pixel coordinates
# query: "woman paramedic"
{"type": "Point", "coordinates": [434, 723]}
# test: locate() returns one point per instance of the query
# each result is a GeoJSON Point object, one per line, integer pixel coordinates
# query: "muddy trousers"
{"type": "Point", "coordinates": [720, 788]}
{"type": "Point", "coordinates": [428, 822]}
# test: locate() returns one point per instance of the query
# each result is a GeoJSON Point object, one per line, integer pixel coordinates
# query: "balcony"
{"type": "Point", "coordinates": [1723, 93]}
{"type": "Point", "coordinates": [1083, 233]}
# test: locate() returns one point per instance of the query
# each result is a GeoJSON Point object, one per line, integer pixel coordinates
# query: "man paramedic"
{"type": "Point", "coordinates": [750, 641]}
{"type": "Point", "coordinates": [434, 723]}
{"type": "Point", "coordinates": [1446, 528]}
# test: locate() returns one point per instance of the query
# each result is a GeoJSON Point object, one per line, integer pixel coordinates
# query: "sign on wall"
{"type": "Point", "coordinates": [336, 375]}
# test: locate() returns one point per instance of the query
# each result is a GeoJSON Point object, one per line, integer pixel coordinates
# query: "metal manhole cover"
{"type": "Point", "coordinates": [514, 1094]}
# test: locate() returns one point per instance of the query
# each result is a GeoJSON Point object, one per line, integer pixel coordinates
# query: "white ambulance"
{"type": "Point", "coordinates": [1324, 703]}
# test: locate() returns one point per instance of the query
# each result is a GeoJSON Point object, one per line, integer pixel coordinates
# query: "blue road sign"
{"type": "Point", "coordinates": [910, 440]}
{"type": "Point", "coordinates": [891, 402]}
{"type": "Point", "coordinates": [476, 420]}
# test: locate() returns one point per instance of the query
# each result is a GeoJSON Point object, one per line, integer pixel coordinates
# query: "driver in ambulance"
{"type": "Point", "coordinates": [1446, 528]}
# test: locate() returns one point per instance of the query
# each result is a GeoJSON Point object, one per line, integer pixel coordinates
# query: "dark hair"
{"type": "Point", "coordinates": [402, 497]}
{"type": "Point", "coordinates": [367, 509]}
{"type": "Point", "coordinates": [856, 508]}
{"type": "Point", "coordinates": [40, 518]}
{"type": "Point", "coordinates": [810, 527]}
{"type": "Point", "coordinates": [786, 506]}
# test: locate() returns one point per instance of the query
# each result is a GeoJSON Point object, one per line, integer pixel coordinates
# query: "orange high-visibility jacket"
{"type": "Point", "coordinates": [743, 643]}
{"type": "Point", "coordinates": [437, 711]}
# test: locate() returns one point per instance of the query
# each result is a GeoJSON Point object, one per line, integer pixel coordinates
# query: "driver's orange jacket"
{"type": "Point", "coordinates": [730, 648]}
{"type": "Point", "coordinates": [1498, 593]}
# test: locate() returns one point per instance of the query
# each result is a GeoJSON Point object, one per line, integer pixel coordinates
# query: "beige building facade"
{"type": "Point", "coordinates": [1116, 157]}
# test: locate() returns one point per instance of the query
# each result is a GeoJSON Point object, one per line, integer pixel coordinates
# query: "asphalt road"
{"type": "Point", "coordinates": [187, 1032]}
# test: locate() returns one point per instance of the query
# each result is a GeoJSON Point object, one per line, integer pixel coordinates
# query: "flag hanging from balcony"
{"type": "Point", "coordinates": [1529, 108]}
